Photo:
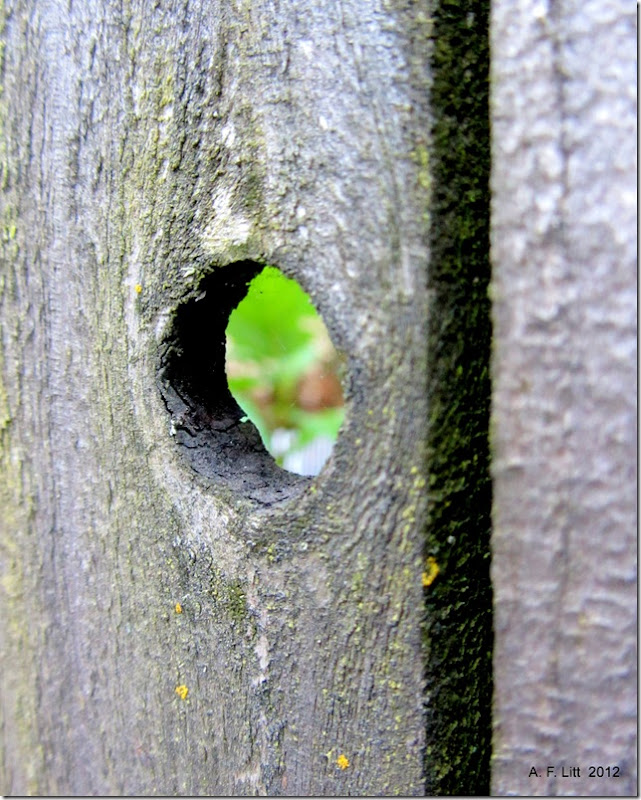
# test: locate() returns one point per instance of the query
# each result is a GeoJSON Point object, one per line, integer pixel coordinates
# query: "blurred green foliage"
{"type": "Point", "coordinates": [282, 368]}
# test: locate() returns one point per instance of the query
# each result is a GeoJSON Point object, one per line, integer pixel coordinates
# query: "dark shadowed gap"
{"type": "Point", "coordinates": [458, 630]}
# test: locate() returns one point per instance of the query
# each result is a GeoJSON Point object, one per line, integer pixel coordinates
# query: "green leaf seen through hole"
{"type": "Point", "coordinates": [282, 367]}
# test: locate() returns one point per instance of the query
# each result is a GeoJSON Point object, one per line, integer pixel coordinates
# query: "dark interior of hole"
{"type": "Point", "coordinates": [207, 424]}
{"type": "Point", "coordinates": [195, 358]}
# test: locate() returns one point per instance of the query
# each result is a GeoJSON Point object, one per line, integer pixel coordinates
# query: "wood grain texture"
{"type": "Point", "coordinates": [564, 418]}
{"type": "Point", "coordinates": [150, 144]}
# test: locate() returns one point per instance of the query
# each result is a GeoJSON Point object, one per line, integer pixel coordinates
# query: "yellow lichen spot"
{"type": "Point", "coordinates": [342, 762]}
{"type": "Point", "coordinates": [178, 608]}
{"type": "Point", "coordinates": [433, 569]}
{"type": "Point", "coordinates": [182, 691]}
{"type": "Point", "coordinates": [138, 288]}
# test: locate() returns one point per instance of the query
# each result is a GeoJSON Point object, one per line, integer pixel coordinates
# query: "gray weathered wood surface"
{"type": "Point", "coordinates": [564, 402]}
{"type": "Point", "coordinates": [151, 144]}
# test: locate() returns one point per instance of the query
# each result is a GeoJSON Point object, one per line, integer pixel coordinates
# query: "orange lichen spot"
{"type": "Point", "coordinates": [182, 691]}
{"type": "Point", "coordinates": [342, 762]}
{"type": "Point", "coordinates": [178, 608]}
{"type": "Point", "coordinates": [138, 288]}
{"type": "Point", "coordinates": [433, 569]}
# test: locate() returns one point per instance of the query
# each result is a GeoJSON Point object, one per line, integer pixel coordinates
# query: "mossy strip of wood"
{"type": "Point", "coordinates": [458, 628]}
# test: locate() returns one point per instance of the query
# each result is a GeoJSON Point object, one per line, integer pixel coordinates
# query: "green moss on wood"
{"type": "Point", "coordinates": [459, 624]}
{"type": "Point", "coordinates": [236, 601]}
